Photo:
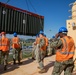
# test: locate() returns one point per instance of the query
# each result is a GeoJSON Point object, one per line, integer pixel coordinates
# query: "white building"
{"type": "Point", "coordinates": [71, 24]}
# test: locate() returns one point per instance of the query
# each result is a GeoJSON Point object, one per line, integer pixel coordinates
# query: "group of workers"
{"type": "Point", "coordinates": [39, 50]}
{"type": "Point", "coordinates": [63, 44]}
{"type": "Point", "coordinates": [65, 48]}
{"type": "Point", "coordinates": [5, 45]}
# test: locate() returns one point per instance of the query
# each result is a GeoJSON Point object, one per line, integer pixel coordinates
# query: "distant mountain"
{"type": "Point", "coordinates": [30, 40]}
{"type": "Point", "coordinates": [21, 36]}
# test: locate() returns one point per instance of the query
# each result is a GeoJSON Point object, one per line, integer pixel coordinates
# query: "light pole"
{"type": "Point", "coordinates": [50, 30]}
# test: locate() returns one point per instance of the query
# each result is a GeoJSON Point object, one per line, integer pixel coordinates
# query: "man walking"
{"type": "Point", "coordinates": [16, 48]}
{"type": "Point", "coordinates": [5, 46]}
{"type": "Point", "coordinates": [34, 47]}
{"type": "Point", "coordinates": [40, 52]}
{"type": "Point", "coordinates": [64, 54]}
{"type": "Point", "coordinates": [51, 51]}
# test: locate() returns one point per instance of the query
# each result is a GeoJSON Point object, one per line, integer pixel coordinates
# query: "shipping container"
{"type": "Point", "coordinates": [13, 19]}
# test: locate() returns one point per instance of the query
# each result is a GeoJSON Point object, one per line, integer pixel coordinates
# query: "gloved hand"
{"type": "Point", "coordinates": [57, 35]}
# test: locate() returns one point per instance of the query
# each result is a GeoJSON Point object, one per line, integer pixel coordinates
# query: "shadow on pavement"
{"type": "Point", "coordinates": [27, 61]}
{"type": "Point", "coordinates": [49, 65]}
{"type": "Point", "coordinates": [13, 67]}
{"type": "Point", "coordinates": [9, 68]}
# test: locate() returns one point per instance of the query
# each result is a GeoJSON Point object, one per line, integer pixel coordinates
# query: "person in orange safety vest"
{"type": "Point", "coordinates": [5, 47]}
{"type": "Point", "coordinates": [34, 46]}
{"type": "Point", "coordinates": [47, 43]}
{"type": "Point", "coordinates": [40, 51]}
{"type": "Point", "coordinates": [65, 48]}
{"type": "Point", "coordinates": [16, 48]}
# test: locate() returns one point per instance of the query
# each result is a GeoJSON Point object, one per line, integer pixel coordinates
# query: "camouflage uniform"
{"type": "Point", "coordinates": [33, 51]}
{"type": "Point", "coordinates": [16, 52]}
{"type": "Point", "coordinates": [5, 57]}
{"type": "Point", "coordinates": [50, 49]}
{"type": "Point", "coordinates": [40, 54]}
{"type": "Point", "coordinates": [67, 66]}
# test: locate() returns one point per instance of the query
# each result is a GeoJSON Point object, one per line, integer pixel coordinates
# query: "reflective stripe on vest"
{"type": "Point", "coordinates": [66, 49]}
{"type": "Point", "coordinates": [15, 42]}
{"type": "Point", "coordinates": [67, 52]}
{"type": "Point", "coordinates": [4, 45]}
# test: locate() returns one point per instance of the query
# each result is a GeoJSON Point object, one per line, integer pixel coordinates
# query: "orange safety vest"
{"type": "Point", "coordinates": [46, 41]}
{"type": "Point", "coordinates": [5, 44]}
{"type": "Point", "coordinates": [67, 51]}
{"type": "Point", "coordinates": [37, 40]}
{"type": "Point", "coordinates": [43, 47]}
{"type": "Point", "coordinates": [15, 42]}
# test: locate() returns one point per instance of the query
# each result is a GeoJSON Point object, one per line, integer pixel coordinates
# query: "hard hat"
{"type": "Point", "coordinates": [15, 34]}
{"type": "Point", "coordinates": [53, 36]}
{"type": "Point", "coordinates": [41, 32]}
{"type": "Point", "coordinates": [37, 35]}
{"type": "Point", "coordinates": [45, 35]}
{"type": "Point", "coordinates": [3, 33]}
{"type": "Point", "coordinates": [62, 29]}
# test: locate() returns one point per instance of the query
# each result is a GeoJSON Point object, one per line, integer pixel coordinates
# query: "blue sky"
{"type": "Point", "coordinates": [55, 12]}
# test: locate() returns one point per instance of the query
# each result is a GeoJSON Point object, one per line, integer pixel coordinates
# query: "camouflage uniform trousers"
{"type": "Point", "coordinates": [0, 56]}
{"type": "Point", "coordinates": [40, 57]}
{"type": "Point", "coordinates": [46, 51]}
{"type": "Point", "coordinates": [17, 52]}
{"type": "Point", "coordinates": [51, 51]}
{"type": "Point", "coordinates": [33, 52]}
{"type": "Point", "coordinates": [67, 66]}
{"type": "Point", "coordinates": [5, 55]}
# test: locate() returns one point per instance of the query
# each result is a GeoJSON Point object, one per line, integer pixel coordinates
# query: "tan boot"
{"type": "Point", "coordinates": [38, 67]}
{"type": "Point", "coordinates": [42, 71]}
{"type": "Point", "coordinates": [19, 63]}
{"type": "Point", "coordinates": [5, 67]}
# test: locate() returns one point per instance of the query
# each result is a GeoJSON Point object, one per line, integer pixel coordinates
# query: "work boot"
{"type": "Point", "coordinates": [14, 61]}
{"type": "Point", "coordinates": [5, 67]}
{"type": "Point", "coordinates": [38, 67]}
{"type": "Point", "coordinates": [19, 63]}
{"type": "Point", "coordinates": [33, 58]}
{"type": "Point", "coordinates": [42, 71]}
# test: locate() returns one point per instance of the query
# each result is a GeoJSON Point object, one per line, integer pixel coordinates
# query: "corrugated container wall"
{"type": "Point", "coordinates": [13, 19]}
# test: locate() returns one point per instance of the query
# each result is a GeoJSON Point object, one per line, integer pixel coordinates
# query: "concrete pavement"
{"type": "Point", "coordinates": [29, 67]}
